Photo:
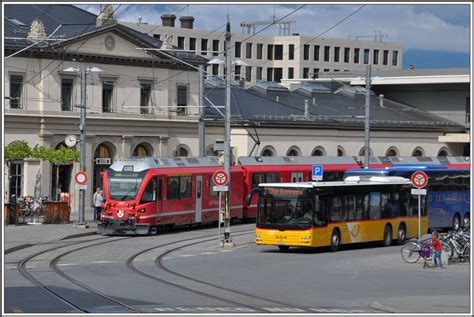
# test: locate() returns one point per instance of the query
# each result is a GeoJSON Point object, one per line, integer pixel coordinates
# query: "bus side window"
{"type": "Point", "coordinates": [374, 205]}
{"type": "Point", "coordinates": [334, 208]}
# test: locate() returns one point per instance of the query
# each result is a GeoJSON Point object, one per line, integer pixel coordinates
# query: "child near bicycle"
{"type": "Point", "coordinates": [436, 244]}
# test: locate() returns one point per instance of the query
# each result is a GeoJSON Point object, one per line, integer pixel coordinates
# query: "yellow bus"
{"type": "Point", "coordinates": [321, 214]}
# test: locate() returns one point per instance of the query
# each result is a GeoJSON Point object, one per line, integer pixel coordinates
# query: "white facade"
{"type": "Point", "coordinates": [311, 56]}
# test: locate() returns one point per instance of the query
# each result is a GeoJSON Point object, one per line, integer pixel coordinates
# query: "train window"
{"type": "Point", "coordinates": [185, 187]}
{"type": "Point", "coordinates": [259, 178]}
{"type": "Point", "coordinates": [179, 187]}
{"type": "Point", "coordinates": [150, 192]}
{"type": "Point", "coordinates": [198, 189]}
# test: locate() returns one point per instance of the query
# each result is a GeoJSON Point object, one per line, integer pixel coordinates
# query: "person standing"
{"type": "Point", "coordinates": [437, 249]}
{"type": "Point", "coordinates": [98, 200]}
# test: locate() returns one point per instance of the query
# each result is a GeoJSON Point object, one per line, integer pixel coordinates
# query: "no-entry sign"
{"type": "Point", "coordinates": [81, 178]}
{"type": "Point", "coordinates": [220, 178]}
{"type": "Point", "coordinates": [419, 179]}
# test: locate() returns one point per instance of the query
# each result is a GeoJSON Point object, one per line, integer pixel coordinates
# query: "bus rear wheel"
{"type": "Point", "coordinates": [387, 236]}
{"type": "Point", "coordinates": [335, 240]}
{"type": "Point", "coordinates": [284, 248]}
{"type": "Point", "coordinates": [402, 233]}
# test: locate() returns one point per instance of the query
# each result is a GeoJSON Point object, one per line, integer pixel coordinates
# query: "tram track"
{"type": "Point", "coordinates": [22, 269]}
{"type": "Point", "coordinates": [198, 286]}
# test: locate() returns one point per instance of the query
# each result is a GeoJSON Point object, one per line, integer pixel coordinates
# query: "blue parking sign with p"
{"type": "Point", "coordinates": [317, 173]}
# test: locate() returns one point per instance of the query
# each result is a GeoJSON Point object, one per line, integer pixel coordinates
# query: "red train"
{"type": "Point", "coordinates": [145, 194]}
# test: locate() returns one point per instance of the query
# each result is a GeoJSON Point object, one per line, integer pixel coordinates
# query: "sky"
{"type": "Point", "coordinates": [432, 35]}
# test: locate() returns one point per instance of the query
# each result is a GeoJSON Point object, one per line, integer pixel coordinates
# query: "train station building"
{"type": "Point", "coordinates": [146, 104]}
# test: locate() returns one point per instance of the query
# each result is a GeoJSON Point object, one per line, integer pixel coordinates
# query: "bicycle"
{"type": "Point", "coordinates": [415, 249]}
{"type": "Point", "coordinates": [25, 203]}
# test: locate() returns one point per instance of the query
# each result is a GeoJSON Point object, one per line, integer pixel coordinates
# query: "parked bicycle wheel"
{"type": "Point", "coordinates": [447, 249]}
{"type": "Point", "coordinates": [411, 252]}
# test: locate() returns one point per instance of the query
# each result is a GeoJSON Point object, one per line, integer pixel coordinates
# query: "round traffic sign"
{"type": "Point", "coordinates": [220, 178]}
{"type": "Point", "coordinates": [81, 178]}
{"type": "Point", "coordinates": [419, 179]}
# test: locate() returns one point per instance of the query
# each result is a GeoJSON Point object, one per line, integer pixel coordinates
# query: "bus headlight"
{"type": "Point", "coordinates": [258, 236]}
{"type": "Point", "coordinates": [306, 238]}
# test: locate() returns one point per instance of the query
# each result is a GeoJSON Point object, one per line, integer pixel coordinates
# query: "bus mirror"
{"type": "Point", "coordinates": [248, 198]}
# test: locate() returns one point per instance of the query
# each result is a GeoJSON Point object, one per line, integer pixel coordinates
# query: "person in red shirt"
{"type": "Point", "coordinates": [437, 249]}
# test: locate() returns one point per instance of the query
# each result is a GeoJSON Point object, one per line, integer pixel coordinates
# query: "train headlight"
{"type": "Point", "coordinates": [120, 213]}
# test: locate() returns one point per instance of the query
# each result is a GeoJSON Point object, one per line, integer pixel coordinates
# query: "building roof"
{"type": "Point", "coordinates": [340, 109]}
{"type": "Point", "coordinates": [75, 24]}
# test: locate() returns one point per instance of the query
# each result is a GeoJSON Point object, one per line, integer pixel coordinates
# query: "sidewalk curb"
{"type": "Point", "coordinates": [27, 245]}
{"type": "Point", "coordinates": [78, 235]}
{"type": "Point", "coordinates": [17, 248]}
{"type": "Point", "coordinates": [379, 306]}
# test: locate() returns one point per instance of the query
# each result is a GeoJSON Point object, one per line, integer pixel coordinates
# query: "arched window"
{"type": "Point", "coordinates": [362, 151]}
{"type": "Point", "coordinates": [318, 151]}
{"type": "Point", "coordinates": [293, 151]}
{"type": "Point", "coordinates": [181, 150]}
{"type": "Point", "coordinates": [392, 151]}
{"type": "Point", "coordinates": [443, 152]}
{"type": "Point", "coordinates": [210, 151]}
{"type": "Point", "coordinates": [60, 177]}
{"type": "Point", "coordinates": [142, 149]}
{"type": "Point", "coordinates": [418, 152]}
{"type": "Point", "coordinates": [103, 156]}
{"type": "Point", "coordinates": [340, 151]}
{"type": "Point", "coordinates": [268, 151]}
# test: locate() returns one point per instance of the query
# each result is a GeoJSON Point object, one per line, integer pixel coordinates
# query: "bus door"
{"type": "Point", "coordinates": [197, 218]}
{"type": "Point", "coordinates": [296, 177]}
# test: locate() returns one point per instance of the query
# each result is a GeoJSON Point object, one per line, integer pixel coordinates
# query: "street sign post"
{"type": "Point", "coordinates": [419, 179]}
{"type": "Point", "coordinates": [317, 173]}
{"type": "Point", "coordinates": [220, 179]}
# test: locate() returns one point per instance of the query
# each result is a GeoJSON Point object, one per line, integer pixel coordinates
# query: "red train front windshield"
{"type": "Point", "coordinates": [124, 185]}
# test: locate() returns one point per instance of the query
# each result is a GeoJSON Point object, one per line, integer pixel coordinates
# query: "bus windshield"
{"type": "Point", "coordinates": [124, 186]}
{"type": "Point", "coordinates": [285, 213]}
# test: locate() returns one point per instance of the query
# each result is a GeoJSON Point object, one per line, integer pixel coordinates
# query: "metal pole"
{"type": "Point", "coordinates": [419, 217]}
{"type": "Point", "coordinates": [219, 220]}
{"type": "Point", "coordinates": [82, 129]}
{"type": "Point", "coordinates": [367, 117]}
{"type": "Point", "coordinates": [202, 141]}
{"type": "Point", "coordinates": [228, 78]}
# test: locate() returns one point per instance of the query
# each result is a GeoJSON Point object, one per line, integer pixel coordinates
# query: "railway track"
{"type": "Point", "coordinates": [198, 286]}
{"type": "Point", "coordinates": [22, 268]}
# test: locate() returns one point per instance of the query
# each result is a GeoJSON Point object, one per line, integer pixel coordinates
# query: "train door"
{"type": "Point", "coordinates": [150, 200]}
{"type": "Point", "coordinates": [198, 198]}
{"type": "Point", "coordinates": [296, 177]}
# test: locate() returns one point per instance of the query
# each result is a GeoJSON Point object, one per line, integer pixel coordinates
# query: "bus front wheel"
{"type": "Point", "coordinates": [335, 240]}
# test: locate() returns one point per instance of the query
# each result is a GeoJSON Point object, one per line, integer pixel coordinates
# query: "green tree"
{"type": "Point", "coordinates": [62, 155]}
{"type": "Point", "coordinates": [17, 150]}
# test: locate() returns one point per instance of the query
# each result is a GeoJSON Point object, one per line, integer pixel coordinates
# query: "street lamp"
{"type": "Point", "coordinates": [82, 130]}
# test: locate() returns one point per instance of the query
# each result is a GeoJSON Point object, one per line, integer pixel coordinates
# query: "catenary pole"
{"type": "Point", "coordinates": [82, 130]}
{"type": "Point", "coordinates": [228, 78]}
{"type": "Point", "coordinates": [202, 140]}
{"type": "Point", "coordinates": [367, 117]}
